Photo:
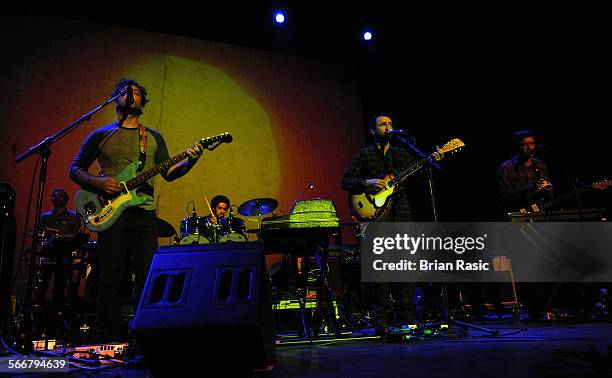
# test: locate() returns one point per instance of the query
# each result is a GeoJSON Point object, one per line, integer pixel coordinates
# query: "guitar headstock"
{"type": "Point", "coordinates": [213, 142]}
{"type": "Point", "coordinates": [453, 145]}
{"type": "Point", "coordinates": [602, 184]}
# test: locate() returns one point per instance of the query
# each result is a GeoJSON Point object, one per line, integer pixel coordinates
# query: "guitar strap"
{"type": "Point", "coordinates": [142, 139]}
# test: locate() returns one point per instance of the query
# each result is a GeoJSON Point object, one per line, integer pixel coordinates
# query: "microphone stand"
{"type": "Point", "coordinates": [410, 143]}
{"type": "Point", "coordinates": [310, 186]}
{"type": "Point", "coordinates": [24, 338]}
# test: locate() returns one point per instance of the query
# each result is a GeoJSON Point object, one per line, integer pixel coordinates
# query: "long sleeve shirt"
{"type": "Point", "coordinates": [370, 163]}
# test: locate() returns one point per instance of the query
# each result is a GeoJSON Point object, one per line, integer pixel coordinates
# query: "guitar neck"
{"type": "Point", "coordinates": [400, 178]}
{"type": "Point", "coordinates": [148, 174]}
{"type": "Point", "coordinates": [209, 143]}
{"type": "Point", "coordinates": [559, 200]}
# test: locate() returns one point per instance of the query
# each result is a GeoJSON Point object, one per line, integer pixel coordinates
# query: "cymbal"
{"type": "Point", "coordinates": [257, 206]}
{"type": "Point", "coordinates": [164, 229]}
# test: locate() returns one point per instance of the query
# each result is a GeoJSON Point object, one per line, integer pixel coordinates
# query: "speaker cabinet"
{"type": "Point", "coordinates": [206, 308]}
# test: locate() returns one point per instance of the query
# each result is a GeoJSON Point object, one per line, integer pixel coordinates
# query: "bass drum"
{"type": "Point", "coordinates": [195, 230]}
{"type": "Point", "coordinates": [194, 239]}
{"type": "Point", "coordinates": [232, 230]}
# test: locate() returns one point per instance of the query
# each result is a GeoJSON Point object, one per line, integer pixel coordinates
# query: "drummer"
{"type": "Point", "coordinates": [220, 205]}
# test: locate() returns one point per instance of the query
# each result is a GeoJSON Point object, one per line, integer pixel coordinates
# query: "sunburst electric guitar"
{"type": "Point", "coordinates": [368, 207]}
{"type": "Point", "coordinates": [101, 210]}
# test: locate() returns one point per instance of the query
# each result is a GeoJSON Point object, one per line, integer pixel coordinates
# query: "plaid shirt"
{"type": "Point", "coordinates": [370, 163]}
{"type": "Point", "coordinates": [516, 184]}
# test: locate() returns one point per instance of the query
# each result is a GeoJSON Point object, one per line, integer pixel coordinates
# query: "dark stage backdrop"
{"type": "Point", "coordinates": [482, 73]}
{"type": "Point", "coordinates": [479, 75]}
{"type": "Point", "coordinates": [295, 121]}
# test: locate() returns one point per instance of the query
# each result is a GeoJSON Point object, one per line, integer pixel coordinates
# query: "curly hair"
{"type": "Point", "coordinates": [218, 199]}
{"type": "Point", "coordinates": [125, 82]}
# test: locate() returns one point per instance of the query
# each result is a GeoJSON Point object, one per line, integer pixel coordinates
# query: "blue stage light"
{"type": "Point", "coordinates": [279, 17]}
{"type": "Point", "coordinates": [367, 35]}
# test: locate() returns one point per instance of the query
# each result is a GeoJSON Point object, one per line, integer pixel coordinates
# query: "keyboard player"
{"type": "Point", "coordinates": [58, 223]}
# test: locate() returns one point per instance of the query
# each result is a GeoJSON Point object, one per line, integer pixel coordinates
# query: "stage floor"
{"type": "Point", "coordinates": [521, 350]}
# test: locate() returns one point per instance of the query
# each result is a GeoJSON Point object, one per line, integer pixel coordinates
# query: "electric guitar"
{"type": "Point", "coordinates": [101, 210]}
{"type": "Point", "coordinates": [368, 207]}
{"type": "Point", "coordinates": [547, 205]}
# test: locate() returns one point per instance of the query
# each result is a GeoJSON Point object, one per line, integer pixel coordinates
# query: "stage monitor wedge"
{"type": "Point", "coordinates": [206, 308]}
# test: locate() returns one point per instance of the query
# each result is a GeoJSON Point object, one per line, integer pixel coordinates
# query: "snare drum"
{"type": "Point", "coordinates": [196, 230]}
{"type": "Point", "coordinates": [232, 230]}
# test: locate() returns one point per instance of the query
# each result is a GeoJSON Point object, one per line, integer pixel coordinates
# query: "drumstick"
{"type": "Point", "coordinates": [207, 203]}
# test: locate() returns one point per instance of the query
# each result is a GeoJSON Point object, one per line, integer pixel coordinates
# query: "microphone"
{"type": "Point", "coordinates": [129, 98]}
{"type": "Point", "coordinates": [398, 132]}
{"type": "Point", "coordinates": [310, 186]}
{"type": "Point", "coordinates": [193, 212]}
{"type": "Point", "coordinates": [402, 135]}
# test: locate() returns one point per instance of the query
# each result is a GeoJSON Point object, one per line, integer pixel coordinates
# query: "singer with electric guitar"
{"type": "Point", "coordinates": [366, 176]}
{"type": "Point", "coordinates": [126, 218]}
{"type": "Point", "coordinates": [373, 206]}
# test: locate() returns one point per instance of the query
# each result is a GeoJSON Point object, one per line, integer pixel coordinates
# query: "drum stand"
{"type": "Point", "coordinates": [215, 232]}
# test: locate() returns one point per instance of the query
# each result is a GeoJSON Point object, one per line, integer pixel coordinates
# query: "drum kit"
{"type": "Point", "coordinates": [201, 230]}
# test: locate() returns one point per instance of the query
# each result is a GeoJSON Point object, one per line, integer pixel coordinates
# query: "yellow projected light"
{"type": "Point", "coordinates": [191, 100]}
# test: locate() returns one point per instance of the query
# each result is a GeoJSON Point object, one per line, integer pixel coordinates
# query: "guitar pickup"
{"type": "Point", "coordinates": [102, 200]}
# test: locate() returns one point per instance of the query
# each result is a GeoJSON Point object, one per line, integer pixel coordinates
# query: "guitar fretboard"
{"type": "Point", "coordinates": [408, 172]}
{"type": "Point", "coordinates": [146, 175]}
{"type": "Point", "coordinates": [208, 143]}
{"type": "Point", "coordinates": [562, 198]}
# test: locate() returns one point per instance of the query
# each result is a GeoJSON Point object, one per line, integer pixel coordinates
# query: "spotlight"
{"type": "Point", "coordinates": [279, 17]}
{"type": "Point", "coordinates": [367, 35]}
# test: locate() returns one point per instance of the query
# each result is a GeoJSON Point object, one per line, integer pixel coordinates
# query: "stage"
{"type": "Point", "coordinates": [523, 349]}
{"type": "Point", "coordinates": [314, 111]}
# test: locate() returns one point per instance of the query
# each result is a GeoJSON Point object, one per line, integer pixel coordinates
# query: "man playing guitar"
{"type": "Point", "coordinates": [133, 234]}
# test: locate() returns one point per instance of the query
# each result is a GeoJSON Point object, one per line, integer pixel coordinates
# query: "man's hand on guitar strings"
{"type": "Point", "coordinates": [108, 185]}
{"type": "Point", "coordinates": [544, 185]}
{"type": "Point", "coordinates": [374, 185]}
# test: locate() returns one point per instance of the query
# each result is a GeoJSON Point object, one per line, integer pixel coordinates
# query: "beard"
{"type": "Point", "coordinates": [129, 110]}
{"type": "Point", "coordinates": [526, 155]}
{"type": "Point", "coordinates": [383, 139]}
